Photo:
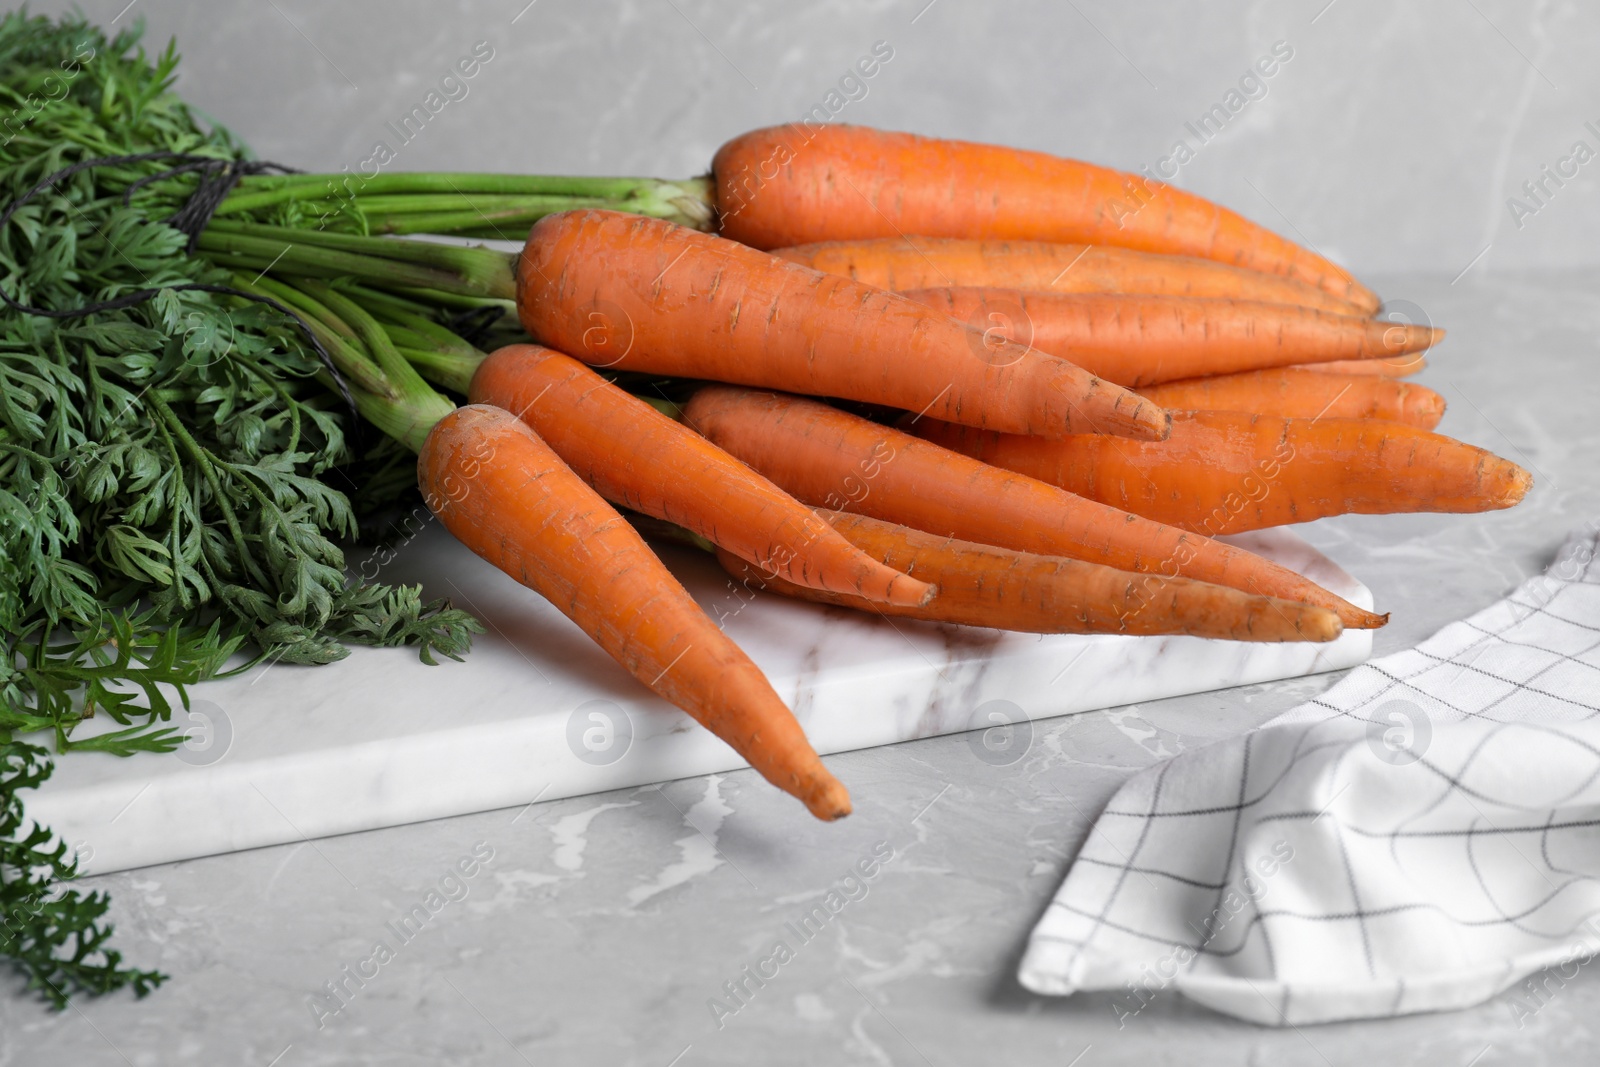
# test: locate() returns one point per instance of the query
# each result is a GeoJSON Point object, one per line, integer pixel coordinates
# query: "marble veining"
{"type": "Point", "coordinates": [697, 850]}
{"type": "Point", "coordinates": [537, 713]}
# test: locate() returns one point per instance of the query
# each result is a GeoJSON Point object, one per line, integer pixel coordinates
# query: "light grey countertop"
{"type": "Point", "coordinates": [603, 925]}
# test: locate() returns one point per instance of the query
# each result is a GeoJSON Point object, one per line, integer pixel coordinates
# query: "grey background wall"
{"type": "Point", "coordinates": [1391, 139]}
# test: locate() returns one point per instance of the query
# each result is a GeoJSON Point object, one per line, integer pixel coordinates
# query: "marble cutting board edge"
{"type": "Point", "coordinates": [305, 756]}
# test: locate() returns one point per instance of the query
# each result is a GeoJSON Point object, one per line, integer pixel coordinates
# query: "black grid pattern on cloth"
{"type": "Point", "coordinates": [1529, 663]}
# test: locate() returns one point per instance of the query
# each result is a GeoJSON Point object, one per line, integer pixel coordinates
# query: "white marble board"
{"type": "Point", "coordinates": [285, 753]}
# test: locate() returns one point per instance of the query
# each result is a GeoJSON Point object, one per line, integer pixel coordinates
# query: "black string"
{"type": "Point", "coordinates": [218, 177]}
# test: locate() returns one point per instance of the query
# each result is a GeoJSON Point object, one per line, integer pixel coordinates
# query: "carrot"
{"type": "Point", "coordinates": [1295, 393]}
{"type": "Point", "coordinates": [638, 293]}
{"type": "Point", "coordinates": [501, 491]}
{"type": "Point", "coordinates": [1396, 367]}
{"type": "Point", "coordinates": [902, 263]}
{"type": "Point", "coordinates": [981, 585]}
{"type": "Point", "coordinates": [1142, 340]}
{"type": "Point", "coordinates": [838, 182]}
{"type": "Point", "coordinates": [638, 458]}
{"type": "Point", "coordinates": [828, 458]}
{"type": "Point", "coordinates": [1226, 472]}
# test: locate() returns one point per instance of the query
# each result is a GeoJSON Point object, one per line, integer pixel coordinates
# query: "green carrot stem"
{"type": "Point", "coordinates": [442, 356]}
{"type": "Point", "coordinates": [450, 370]}
{"type": "Point", "coordinates": [286, 257]}
{"type": "Point", "coordinates": [423, 331]}
{"type": "Point", "coordinates": [465, 301]}
{"type": "Point", "coordinates": [503, 225]}
{"type": "Point", "coordinates": [372, 334]}
{"type": "Point", "coordinates": [394, 398]}
{"type": "Point", "coordinates": [475, 270]}
{"type": "Point", "coordinates": [410, 417]}
{"type": "Point", "coordinates": [352, 362]}
{"type": "Point", "coordinates": [403, 203]}
{"type": "Point", "coordinates": [300, 299]}
{"type": "Point", "coordinates": [350, 185]}
{"type": "Point", "coordinates": [402, 336]}
{"type": "Point", "coordinates": [430, 203]}
{"type": "Point", "coordinates": [688, 203]}
{"type": "Point", "coordinates": [486, 233]}
{"type": "Point", "coordinates": [427, 253]}
{"type": "Point", "coordinates": [382, 303]}
{"type": "Point", "coordinates": [500, 218]}
{"type": "Point", "coordinates": [406, 425]}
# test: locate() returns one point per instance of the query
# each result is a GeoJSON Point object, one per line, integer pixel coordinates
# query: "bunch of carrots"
{"type": "Point", "coordinates": [920, 378]}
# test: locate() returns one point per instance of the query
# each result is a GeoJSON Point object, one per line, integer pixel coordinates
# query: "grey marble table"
{"type": "Point", "coordinates": [600, 928]}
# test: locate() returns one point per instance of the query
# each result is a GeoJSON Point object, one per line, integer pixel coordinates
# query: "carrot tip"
{"type": "Point", "coordinates": [828, 799]}
{"type": "Point", "coordinates": [1518, 482]}
{"type": "Point", "coordinates": [1149, 423]}
{"type": "Point", "coordinates": [1408, 339]}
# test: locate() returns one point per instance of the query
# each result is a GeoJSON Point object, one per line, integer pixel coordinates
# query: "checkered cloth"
{"type": "Point", "coordinates": [1421, 837]}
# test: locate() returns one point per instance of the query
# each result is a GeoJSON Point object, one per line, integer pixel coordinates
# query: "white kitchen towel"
{"type": "Point", "coordinates": [1419, 838]}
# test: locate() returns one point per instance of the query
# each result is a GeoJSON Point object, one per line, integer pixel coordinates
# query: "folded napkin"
{"type": "Point", "coordinates": [1423, 835]}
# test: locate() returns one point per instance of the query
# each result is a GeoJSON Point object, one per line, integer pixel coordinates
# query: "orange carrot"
{"type": "Point", "coordinates": [1309, 394]}
{"type": "Point", "coordinates": [787, 185]}
{"type": "Point", "coordinates": [981, 585]}
{"type": "Point", "coordinates": [509, 498]}
{"type": "Point", "coordinates": [634, 456]}
{"type": "Point", "coordinates": [832, 459]}
{"type": "Point", "coordinates": [1396, 367]}
{"type": "Point", "coordinates": [1226, 472]}
{"type": "Point", "coordinates": [1142, 340]}
{"type": "Point", "coordinates": [642, 294]}
{"type": "Point", "coordinates": [902, 263]}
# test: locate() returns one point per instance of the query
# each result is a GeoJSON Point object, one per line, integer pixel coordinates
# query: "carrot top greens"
{"type": "Point", "coordinates": [175, 477]}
